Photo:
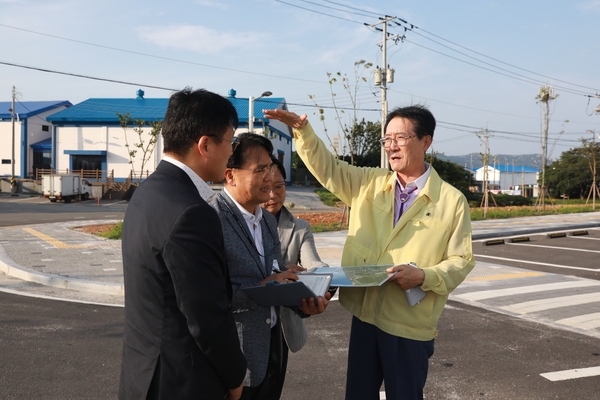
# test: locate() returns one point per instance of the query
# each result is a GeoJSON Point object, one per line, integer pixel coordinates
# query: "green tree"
{"type": "Point", "coordinates": [452, 173]}
{"type": "Point", "coordinates": [570, 174]}
{"type": "Point", "coordinates": [365, 144]}
{"type": "Point", "coordinates": [146, 142]}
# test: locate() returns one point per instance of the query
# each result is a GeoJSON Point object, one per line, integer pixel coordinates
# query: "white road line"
{"type": "Point", "coordinates": [41, 296]}
{"type": "Point", "coordinates": [553, 247]}
{"type": "Point", "coordinates": [537, 263]}
{"type": "Point", "coordinates": [488, 294]}
{"type": "Point", "coordinates": [583, 237]}
{"type": "Point", "coordinates": [586, 321]}
{"type": "Point", "coordinates": [571, 374]}
{"type": "Point", "coordinates": [527, 307]}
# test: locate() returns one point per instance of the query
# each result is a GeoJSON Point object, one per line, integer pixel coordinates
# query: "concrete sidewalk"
{"type": "Point", "coordinates": [56, 260]}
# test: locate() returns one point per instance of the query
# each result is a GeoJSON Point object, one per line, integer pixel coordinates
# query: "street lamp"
{"type": "Point", "coordinates": [251, 109]}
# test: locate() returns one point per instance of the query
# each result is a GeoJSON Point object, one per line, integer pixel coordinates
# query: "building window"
{"type": "Point", "coordinates": [87, 162]}
{"type": "Point", "coordinates": [45, 128]}
{"type": "Point", "coordinates": [42, 159]}
{"type": "Point", "coordinates": [5, 161]}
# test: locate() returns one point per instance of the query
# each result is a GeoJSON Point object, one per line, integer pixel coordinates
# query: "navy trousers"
{"type": "Point", "coordinates": [375, 357]}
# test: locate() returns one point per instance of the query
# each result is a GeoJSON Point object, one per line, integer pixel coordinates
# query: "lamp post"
{"type": "Point", "coordinates": [251, 109]}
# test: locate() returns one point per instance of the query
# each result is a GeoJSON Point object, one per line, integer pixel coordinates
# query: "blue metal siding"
{"type": "Point", "coordinates": [27, 109]}
{"type": "Point", "coordinates": [104, 111]}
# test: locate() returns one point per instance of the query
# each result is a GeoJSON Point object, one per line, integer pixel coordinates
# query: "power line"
{"type": "Point", "coordinates": [85, 76]}
{"type": "Point", "coordinates": [525, 78]}
{"type": "Point", "coordinates": [411, 27]}
{"type": "Point", "coordinates": [502, 62]}
{"type": "Point", "coordinates": [335, 9]}
{"type": "Point", "coordinates": [318, 12]}
{"type": "Point", "coordinates": [159, 57]}
{"type": "Point", "coordinates": [352, 8]}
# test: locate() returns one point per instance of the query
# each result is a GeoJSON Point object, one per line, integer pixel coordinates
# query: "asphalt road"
{"type": "Point", "coordinates": [23, 210]}
{"type": "Point", "coordinates": [491, 348]}
{"type": "Point", "coordinates": [58, 350]}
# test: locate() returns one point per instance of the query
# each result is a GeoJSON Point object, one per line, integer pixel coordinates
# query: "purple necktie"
{"type": "Point", "coordinates": [401, 198]}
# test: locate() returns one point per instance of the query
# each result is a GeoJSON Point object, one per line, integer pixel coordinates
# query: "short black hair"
{"type": "Point", "coordinates": [248, 141]}
{"type": "Point", "coordinates": [192, 114]}
{"type": "Point", "coordinates": [280, 166]}
{"type": "Point", "coordinates": [422, 119]}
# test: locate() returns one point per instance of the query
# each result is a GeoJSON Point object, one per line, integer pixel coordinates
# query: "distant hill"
{"type": "Point", "coordinates": [473, 160]}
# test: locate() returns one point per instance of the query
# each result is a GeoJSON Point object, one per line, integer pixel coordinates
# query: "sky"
{"type": "Point", "coordinates": [476, 64]}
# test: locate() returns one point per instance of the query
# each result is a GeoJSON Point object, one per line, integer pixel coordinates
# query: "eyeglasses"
{"type": "Point", "coordinates": [234, 141]}
{"type": "Point", "coordinates": [262, 170]}
{"type": "Point", "coordinates": [399, 140]}
{"type": "Point", "coordinates": [278, 188]}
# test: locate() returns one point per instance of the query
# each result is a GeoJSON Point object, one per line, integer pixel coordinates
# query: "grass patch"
{"type": "Point", "coordinates": [328, 227]}
{"type": "Point", "coordinates": [328, 198]}
{"type": "Point", "coordinates": [115, 233]}
{"type": "Point", "coordinates": [528, 211]}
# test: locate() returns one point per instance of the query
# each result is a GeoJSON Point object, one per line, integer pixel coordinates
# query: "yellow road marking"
{"type": "Point", "coordinates": [54, 242]}
{"type": "Point", "coordinates": [506, 276]}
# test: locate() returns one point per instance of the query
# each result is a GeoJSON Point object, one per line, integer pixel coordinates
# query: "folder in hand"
{"type": "Point", "coordinates": [290, 294]}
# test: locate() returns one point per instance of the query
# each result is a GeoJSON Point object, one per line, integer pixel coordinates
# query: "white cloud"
{"type": "Point", "coordinates": [213, 4]}
{"type": "Point", "coordinates": [592, 5]}
{"type": "Point", "coordinates": [198, 38]}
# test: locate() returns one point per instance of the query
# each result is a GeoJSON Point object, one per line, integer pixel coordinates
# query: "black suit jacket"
{"type": "Point", "coordinates": [180, 339]}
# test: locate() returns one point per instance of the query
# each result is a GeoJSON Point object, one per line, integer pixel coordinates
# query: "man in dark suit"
{"type": "Point", "coordinates": [180, 339]}
{"type": "Point", "coordinates": [254, 257]}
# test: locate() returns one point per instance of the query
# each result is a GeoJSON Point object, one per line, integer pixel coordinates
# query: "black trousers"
{"type": "Point", "coordinates": [271, 387]}
{"type": "Point", "coordinates": [375, 357]}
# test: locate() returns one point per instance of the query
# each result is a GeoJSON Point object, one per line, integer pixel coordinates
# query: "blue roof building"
{"type": "Point", "coordinates": [508, 177]}
{"type": "Point", "coordinates": [89, 135]}
{"type": "Point", "coordinates": [31, 135]}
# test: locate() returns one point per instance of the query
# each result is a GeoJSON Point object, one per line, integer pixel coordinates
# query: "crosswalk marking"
{"type": "Point", "coordinates": [502, 277]}
{"type": "Point", "coordinates": [489, 294]}
{"type": "Point", "coordinates": [548, 304]}
{"type": "Point", "coordinates": [586, 321]}
{"type": "Point", "coordinates": [571, 374]}
{"type": "Point", "coordinates": [535, 263]}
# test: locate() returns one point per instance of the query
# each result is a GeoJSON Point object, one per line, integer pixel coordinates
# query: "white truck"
{"type": "Point", "coordinates": [65, 187]}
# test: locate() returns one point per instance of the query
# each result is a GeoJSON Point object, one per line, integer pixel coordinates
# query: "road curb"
{"type": "Point", "coordinates": [530, 231]}
{"type": "Point", "coordinates": [10, 268]}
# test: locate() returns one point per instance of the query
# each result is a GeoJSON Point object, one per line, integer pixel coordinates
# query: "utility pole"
{"type": "Point", "coordinates": [383, 76]}
{"type": "Point", "coordinates": [545, 96]}
{"type": "Point", "coordinates": [594, 189]}
{"type": "Point", "coordinates": [485, 160]}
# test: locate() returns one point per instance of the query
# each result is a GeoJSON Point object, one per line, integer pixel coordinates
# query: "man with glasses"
{"type": "Point", "coordinates": [180, 339]}
{"type": "Point", "coordinates": [406, 215]}
{"type": "Point", "coordinates": [253, 253]}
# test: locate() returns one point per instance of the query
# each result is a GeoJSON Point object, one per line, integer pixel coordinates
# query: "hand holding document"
{"type": "Point", "coordinates": [369, 275]}
{"type": "Point", "coordinates": [290, 294]}
{"type": "Point", "coordinates": [356, 276]}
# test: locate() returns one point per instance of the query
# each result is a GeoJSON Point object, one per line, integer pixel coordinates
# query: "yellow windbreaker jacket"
{"type": "Point", "coordinates": [434, 232]}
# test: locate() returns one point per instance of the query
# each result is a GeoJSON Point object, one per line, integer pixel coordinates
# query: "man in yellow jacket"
{"type": "Point", "coordinates": [406, 215]}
